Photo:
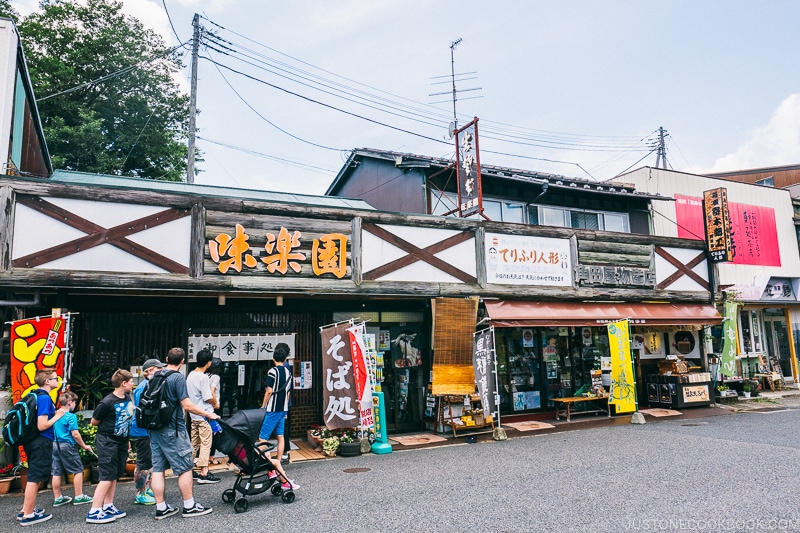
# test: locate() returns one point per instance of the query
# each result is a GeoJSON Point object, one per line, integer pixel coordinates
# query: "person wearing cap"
{"type": "Point", "coordinates": [141, 441]}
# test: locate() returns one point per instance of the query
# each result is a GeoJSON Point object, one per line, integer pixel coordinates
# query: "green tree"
{"type": "Point", "coordinates": [135, 122]}
{"type": "Point", "coordinates": [7, 10]}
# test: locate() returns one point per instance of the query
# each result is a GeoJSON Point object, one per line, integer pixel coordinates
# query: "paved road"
{"type": "Point", "coordinates": [722, 473]}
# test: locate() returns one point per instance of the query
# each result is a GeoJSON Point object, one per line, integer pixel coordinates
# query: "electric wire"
{"type": "Point", "coordinates": [329, 106]}
{"type": "Point", "coordinates": [111, 75]}
{"type": "Point", "coordinates": [138, 137]}
{"type": "Point", "coordinates": [299, 164]}
{"type": "Point", "coordinates": [633, 165]}
{"type": "Point", "coordinates": [169, 18]}
{"type": "Point", "coordinates": [265, 119]}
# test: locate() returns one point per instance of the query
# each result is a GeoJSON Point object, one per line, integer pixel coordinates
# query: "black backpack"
{"type": "Point", "coordinates": [153, 411]}
{"type": "Point", "coordinates": [22, 420]}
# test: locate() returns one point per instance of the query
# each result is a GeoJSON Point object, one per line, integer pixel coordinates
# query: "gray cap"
{"type": "Point", "coordinates": [152, 363]}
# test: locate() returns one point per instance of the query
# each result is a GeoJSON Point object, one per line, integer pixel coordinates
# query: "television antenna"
{"type": "Point", "coordinates": [453, 126]}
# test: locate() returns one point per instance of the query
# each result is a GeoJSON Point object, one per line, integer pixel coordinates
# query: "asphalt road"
{"type": "Point", "coordinates": [722, 473]}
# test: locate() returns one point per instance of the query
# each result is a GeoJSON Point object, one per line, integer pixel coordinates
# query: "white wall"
{"type": "Point", "coordinates": [668, 183]}
{"type": "Point", "coordinates": [9, 40]}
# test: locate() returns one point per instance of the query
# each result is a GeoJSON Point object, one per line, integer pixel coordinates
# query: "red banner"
{"type": "Point", "coordinates": [37, 343]}
{"type": "Point", "coordinates": [362, 378]}
{"type": "Point", "coordinates": [753, 230]}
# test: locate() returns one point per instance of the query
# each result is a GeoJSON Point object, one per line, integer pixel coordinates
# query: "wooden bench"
{"type": "Point", "coordinates": [564, 405]}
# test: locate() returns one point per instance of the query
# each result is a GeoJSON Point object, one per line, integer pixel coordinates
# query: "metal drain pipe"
{"type": "Point", "coordinates": [37, 300]}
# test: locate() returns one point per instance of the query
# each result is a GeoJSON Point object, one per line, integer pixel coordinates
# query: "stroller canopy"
{"type": "Point", "coordinates": [247, 422]}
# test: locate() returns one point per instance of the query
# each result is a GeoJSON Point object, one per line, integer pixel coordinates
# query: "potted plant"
{"type": "Point", "coordinates": [747, 388]}
{"type": "Point", "coordinates": [7, 475]}
{"type": "Point", "coordinates": [90, 384]}
{"type": "Point", "coordinates": [330, 445]}
{"type": "Point", "coordinates": [314, 436]}
{"type": "Point", "coordinates": [88, 434]}
{"type": "Point", "coordinates": [349, 445]}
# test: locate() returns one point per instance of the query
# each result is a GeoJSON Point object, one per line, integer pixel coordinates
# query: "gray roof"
{"type": "Point", "coordinates": [175, 187]}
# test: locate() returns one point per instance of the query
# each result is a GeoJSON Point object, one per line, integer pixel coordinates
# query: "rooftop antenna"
{"type": "Point", "coordinates": [454, 125]}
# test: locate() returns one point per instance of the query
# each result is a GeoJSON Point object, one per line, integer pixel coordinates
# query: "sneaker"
{"type": "Point", "coordinates": [113, 511]}
{"type": "Point", "coordinates": [197, 510]}
{"type": "Point", "coordinates": [195, 474]}
{"type": "Point", "coordinates": [144, 499]}
{"type": "Point", "coordinates": [81, 499]}
{"type": "Point", "coordinates": [273, 474]}
{"type": "Point", "coordinates": [169, 511]}
{"type": "Point", "coordinates": [36, 510]}
{"type": "Point", "coordinates": [99, 517]}
{"type": "Point", "coordinates": [208, 478]}
{"type": "Point", "coordinates": [35, 518]}
{"type": "Point", "coordinates": [149, 492]}
{"type": "Point", "coordinates": [285, 459]}
{"type": "Point", "coordinates": [290, 485]}
{"type": "Point", "coordinates": [61, 500]}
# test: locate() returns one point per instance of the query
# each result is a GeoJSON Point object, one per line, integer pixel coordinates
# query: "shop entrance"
{"type": "Point", "coordinates": [778, 338]}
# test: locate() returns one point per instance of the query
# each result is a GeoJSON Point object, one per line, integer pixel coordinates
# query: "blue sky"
{"type": "Point", "coordinates": [721, 77]}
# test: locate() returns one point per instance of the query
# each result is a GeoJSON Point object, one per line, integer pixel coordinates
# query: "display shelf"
{"type": "Point", "coordinates": [447, 417]}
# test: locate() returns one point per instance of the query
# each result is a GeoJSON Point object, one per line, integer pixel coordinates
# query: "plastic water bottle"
{"type": "Point", "coordinates": [215, 427]}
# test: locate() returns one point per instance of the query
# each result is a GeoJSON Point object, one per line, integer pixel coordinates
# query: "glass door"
{"type": "Point", "coordinates": [778, 339]}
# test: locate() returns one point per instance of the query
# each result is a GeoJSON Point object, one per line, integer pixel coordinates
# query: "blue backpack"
{"type": "Point", "coordinates": [22, 420]}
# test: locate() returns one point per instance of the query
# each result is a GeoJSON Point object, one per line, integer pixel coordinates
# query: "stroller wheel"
{"type": "Point", "coordinates": [240, 505]}
{"type": "Point", "coordinates": [288, 497]}
{"type": "Point", "coordinates": [228, 495]}
{"type": "Point", "coordinates": [276, 489]}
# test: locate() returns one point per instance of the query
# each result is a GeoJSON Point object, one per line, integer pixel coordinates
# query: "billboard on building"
{"type": "Point", "coordinates": [718, 225]}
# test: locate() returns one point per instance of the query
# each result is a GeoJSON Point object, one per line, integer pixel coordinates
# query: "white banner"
{"type": "Point", "coordinates": [527, 260]}
{"type": "Point", "coordinates": [239, 347]}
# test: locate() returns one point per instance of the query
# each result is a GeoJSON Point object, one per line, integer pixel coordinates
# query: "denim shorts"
{"type": "Point", "coordinates": [112, 455]}
{"type": "Point", "coordinates": [66, 459]}
{"type": "Point", "coordinates": [272, 422]}
{"type": "Point", "coordinates": [171, 451]}
{"type": "Point", "coordinates": [40, 459]}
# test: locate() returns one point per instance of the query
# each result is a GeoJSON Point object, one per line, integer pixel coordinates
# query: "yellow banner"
{"type": "Point", "coordinates": [623, 380]}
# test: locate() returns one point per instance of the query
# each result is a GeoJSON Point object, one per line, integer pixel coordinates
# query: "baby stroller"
{"type": "Point", "coordinates": [238, 441]}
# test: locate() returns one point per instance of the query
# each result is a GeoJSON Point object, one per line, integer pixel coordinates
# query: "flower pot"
{"type": "Point", "coordinates": [314, 441]}
{"type": "Point", "coordinates": [5, 485]}
{"type": "Point", "coordinates": [747, 394]}
{"type": "Point", "coordinates": [349, 449]}
{"type": "Point", "coordinates": [130, 468]}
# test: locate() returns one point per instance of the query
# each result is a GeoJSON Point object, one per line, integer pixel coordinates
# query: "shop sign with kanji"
{"type": "Point", "coordinates": [285, 252]}
{"type": "Point", "coordinates": [718, 225]}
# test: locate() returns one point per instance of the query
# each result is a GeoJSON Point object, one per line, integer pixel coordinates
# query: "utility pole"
{"type": "Point", "coordinates": [193, 99]}
{"type": "Point", "coordinates": [661, 152]}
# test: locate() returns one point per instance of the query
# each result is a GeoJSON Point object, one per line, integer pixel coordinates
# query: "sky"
{"type": "Point", "coordinates": [574, 88]}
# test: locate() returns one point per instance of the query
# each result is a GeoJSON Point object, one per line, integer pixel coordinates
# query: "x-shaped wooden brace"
{"type": "Point", "coordinates": [682, 269]}
{"type": "Point", "coordinates": [97, 235]}
{"type": "Point", "coordinates": [415, 253]}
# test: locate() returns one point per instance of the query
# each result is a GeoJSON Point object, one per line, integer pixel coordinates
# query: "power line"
{"type": "Point", "coordinates": [265, 119]}
{"type": "Point", "coordinates": [169, 18]}
{"type": "Point", "coordinates": [306, 166]}
{"type": "Point", "coordinates": [112, 75]}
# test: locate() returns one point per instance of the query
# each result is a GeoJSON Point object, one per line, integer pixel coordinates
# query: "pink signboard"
{"type": "Point", "coordinates": [753, 230]}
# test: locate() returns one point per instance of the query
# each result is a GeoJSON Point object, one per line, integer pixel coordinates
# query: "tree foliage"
{"type": "Point", "coordinates": [7, 10]}
{"type": "Point", "coordinates": [134, 123]}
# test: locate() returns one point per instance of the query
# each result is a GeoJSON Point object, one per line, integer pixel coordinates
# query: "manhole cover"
{"type": "Point", "coordinates": [695, 424]}
{"type": "Point", "coordinates": [355, 470]}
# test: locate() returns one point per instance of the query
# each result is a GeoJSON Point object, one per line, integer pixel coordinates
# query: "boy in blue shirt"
{"type": "Point", "coordinates": [40, 449]}
{"type": "Point", "coordinates": [66, 457]}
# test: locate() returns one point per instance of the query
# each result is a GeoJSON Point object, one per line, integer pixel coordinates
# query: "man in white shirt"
{"type": "Point", "coordinates": [198, 387]}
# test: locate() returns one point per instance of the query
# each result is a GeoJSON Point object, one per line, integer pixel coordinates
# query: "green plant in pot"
{"type": "Point", "coordinates": [330, 445]}
{"type": "Point", "coordinates": [747, 388]}
{"type": "Point", "coordinates": [90, 384]}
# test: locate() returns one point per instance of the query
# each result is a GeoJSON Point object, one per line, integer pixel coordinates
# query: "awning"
{"type": "Point", "coordinates": [506, 313]}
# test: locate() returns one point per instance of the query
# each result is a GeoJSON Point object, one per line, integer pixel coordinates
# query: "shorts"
{"type": "Point", "coordinates": [66, 459]}
{"type": "Point", "coordinates": [273, 422]}
{"type": "Point", "coordinates": [144, 456]}
{"type": "Point", "coordinates": [112, 454]}
{"type": "Point", "coordinates": [40, 459]}
{"type": "Point", "coordinates": [171, 450]}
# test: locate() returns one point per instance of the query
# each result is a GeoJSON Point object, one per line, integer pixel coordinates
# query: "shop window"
{"type": "Point", "coordinates": [401, 316]}
{"type": "Point", "coordinates": [344, 316]}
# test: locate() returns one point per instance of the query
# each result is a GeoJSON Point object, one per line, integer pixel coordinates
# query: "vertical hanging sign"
{"type": "Point", "coordinates": [727, 365]}
{"type": "Point", "coordinates": [339, 392]}
{"type": "Point", "coordinates": [468, 170]}
{"type": "Point", "coordinates": [37, 343]}
{"type": "Point", "coordinates": [623, 381]}
{"type": "Point", "coordinates": [483, 363]}
{"type": "Point", "coordinates": [718, 225]}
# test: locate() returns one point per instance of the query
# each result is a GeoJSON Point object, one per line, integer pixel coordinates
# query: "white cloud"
{"type": "Point", "coordinates": [774, 144]}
